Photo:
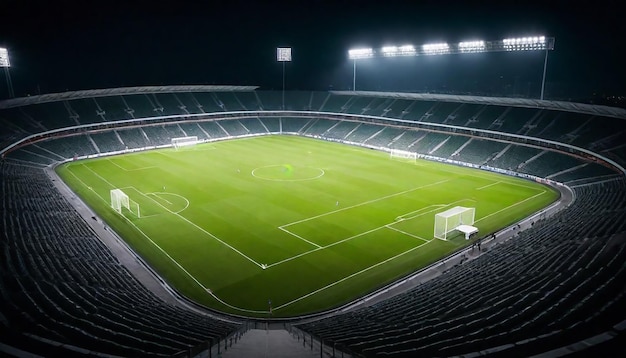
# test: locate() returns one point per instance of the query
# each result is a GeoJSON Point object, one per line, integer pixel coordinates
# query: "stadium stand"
{"type": "Point", "coordinates": [273, 124]}
{"type": "Point", "coordinates": [557, 286]}
{"type": "Point", "coordinates": [63, 289]}
{"type": "Point", "coordinates": [542, 288]}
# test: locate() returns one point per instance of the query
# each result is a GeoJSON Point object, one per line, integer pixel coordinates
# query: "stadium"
{"type": "Point", "coordinates": [220, 220]}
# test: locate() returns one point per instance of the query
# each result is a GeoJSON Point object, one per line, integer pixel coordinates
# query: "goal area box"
{"type": "Point", "coordinates": [120, 200]}
{"type": "Point", "coordinates": [456, 218]}
{"type": "Point", "coordinates": [402, 154]}
{"type": "Point", "coordinates": [184, 141]}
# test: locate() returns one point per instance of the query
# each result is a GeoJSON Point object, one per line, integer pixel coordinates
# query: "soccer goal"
{"type": "Point", "coordinates": [457, 218]}
{"type": "Point", "coordinates": [184, 141]}
{"type": "Point", "coordinates": [402, 154]}
{"type": "Point", "coordinates": [120, 200]}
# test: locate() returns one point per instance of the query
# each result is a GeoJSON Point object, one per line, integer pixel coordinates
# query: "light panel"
{"type": "Point", "coordinates": [528, 43]}
{"type": "Point", "coordinates": [390, 50]}
{"type": "Point", "coordinates": [283, 54]}
{"type": "Point", "coordinates": [472, 46]}
{"type": "Point", "coordinates": [4, 57]}
{"type": "Point", "coordinates": [435, 48]}
{"type": "Point", "coordinates": [359, 53]}
{"type": "Point", "coordinates": [407, 50]}
{"type": "Point", "coordinates": [525, 43]}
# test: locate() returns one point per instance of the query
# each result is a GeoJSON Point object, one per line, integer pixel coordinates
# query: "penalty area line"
{"type": "Point", "coordinates": [366, 202]}
{"type": "Point", "coordinates": [349, 277]}
{"type": "Point", "coordinates": [510, 206]}
{"type": "Point", "coordinates": [147, 237]}
{"type": "Point", "coordinates": [488, 185]}
{"type": "Point", "coordinates": [300, 237]}
{"type": "Point", "coordinates": [262, 266]}
{"type": "Point", "coordinates": [390, 226]}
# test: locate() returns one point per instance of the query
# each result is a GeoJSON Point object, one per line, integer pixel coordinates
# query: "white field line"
{"type": "Point", "coordinates": [324, 247]}
{"type": "Point", "coordinates": [414, 214]}
{"type": "Point", "coordinates": [510, 206]}
{"type": "Point", "coordinates": [506, 179]}
{"type": "Point", "coordinates": [204, 231]}
{"type": "Point", "coordinates": [160, 197]}
{"type": "Point", "coordinates": [391, 258]}
{"type": "Point", "coordinates": [366, 202]}
{"type": "Point", "coordinates": [488, 185]}
{"type": "Point", "coordinates": [145, 235]}
{"type": "Point", "coordinates": [349, 276]}
{"type": "Point", "coordinates": [437, 207]}
{"type": "Point", "coordinates": [187, 220]}
{"type": "Point", "coordinates": [233, 307]}
{"type": "Point", "coordinates": [170, 257]}
{"type": "Point", "coordinates": [129, 170]}
{"type": "Point", "coordinates": [390, 226]}
{"type": "Point", "coordinates": [299, 237]}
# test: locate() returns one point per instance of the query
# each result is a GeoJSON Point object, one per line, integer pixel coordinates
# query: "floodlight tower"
{"type": "Point", "coordinates": [532, 43]}
{"type": "Point", "coordinates": [357, 54]}
{"type": "Point", "coordinates": [4, 62]}
{"type": "Point", "coordinates": [283, 54]}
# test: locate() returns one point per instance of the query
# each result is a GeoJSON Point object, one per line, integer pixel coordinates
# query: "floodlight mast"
{"type": "Point", "coordinates": [283, 54]}
{"type": "Point", "coordinates": [531, 43]}
{"type": "Point", "coordinates": [356, 54]}
{"type": "Point", "coordinates": [4, 62]}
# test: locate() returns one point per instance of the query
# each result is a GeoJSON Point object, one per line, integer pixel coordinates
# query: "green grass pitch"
{"type": "Point", "coordinates": [302, 223]}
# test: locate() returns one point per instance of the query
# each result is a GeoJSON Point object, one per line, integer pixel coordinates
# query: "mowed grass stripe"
{"type": "Point", "coordinates": [245, 212]}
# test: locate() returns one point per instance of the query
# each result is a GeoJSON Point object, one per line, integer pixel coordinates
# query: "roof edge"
{"type": "Point", "coordinates": [62, 96]}
{"type": "Point", "coordinates": [596, 110]}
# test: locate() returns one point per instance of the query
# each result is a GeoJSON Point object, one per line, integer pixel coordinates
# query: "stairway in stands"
{"type": "Point", "coordinates": [260, 343]}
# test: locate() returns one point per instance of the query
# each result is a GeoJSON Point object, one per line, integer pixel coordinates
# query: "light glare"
{"type": "Point", "coordinates": [435, 48]}
{"type": "Point", "coordinates": [283, 54]}
{"type": "Point", "coordinates": [4, 57]}
{"type": "Point", "coordinates": [358, 53]}
{"type": "Point", "coordinates": [525, 43]}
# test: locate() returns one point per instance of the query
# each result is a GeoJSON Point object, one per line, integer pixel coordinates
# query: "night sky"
{"type": "Point", "coordinates": [70, 45]}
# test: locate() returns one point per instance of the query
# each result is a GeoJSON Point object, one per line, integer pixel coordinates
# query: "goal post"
{"type": "Point", "coordinates": [449, 220]}
{"type": "Point", "coordinates": [120, 200]}
{"type": "Point", "coordinates": [402, 154]}
{"type": "Point", "coordinates": [184, 141]}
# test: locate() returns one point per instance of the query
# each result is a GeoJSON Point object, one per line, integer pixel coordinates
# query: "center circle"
{"type": "Point", "coordinates": [287, 172]}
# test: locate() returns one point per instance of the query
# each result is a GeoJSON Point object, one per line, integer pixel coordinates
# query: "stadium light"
{"type": "Point", "coordinates": [283, 54]}
{"type": "Point", "coordinates": [4, 57]}
{"type": "Point", "coordinates": [4, 62]}
{"type": "Point", "coordinates": [390, 50]}
{"type": "Point", "coordinates": [359, 53]}
{"type": "Point", "coordinates": [407, 50]}
{"type": "Point", "coordinates": [525, 43]}
{"type": "Point", "coordinates": [436, 48]}
{"type": "Point", "coordinates": [472, 46]}
{"type": "Point", "coordinates": [528, 43]}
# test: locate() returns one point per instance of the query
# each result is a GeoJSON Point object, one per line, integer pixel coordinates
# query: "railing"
{"type": "Point", "coordinates": [428, 126]}
{"type": "Point", "coordinates": [215, 347]}
{"type": "Point", "coordinates": [317, 344]}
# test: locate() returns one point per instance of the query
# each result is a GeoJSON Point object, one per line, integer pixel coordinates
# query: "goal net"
{"type": "Point", "coordinates": [451, 219]}
{"type": "Point", "coordinates": [184, 141]}
{"type": "Point", "coordinates": [402, 154]}
{"type": "Point", "coordinates": [120, 200]}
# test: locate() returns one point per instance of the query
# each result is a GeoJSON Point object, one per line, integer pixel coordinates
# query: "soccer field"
{"type": "Point", "coordinates": [296, 224]}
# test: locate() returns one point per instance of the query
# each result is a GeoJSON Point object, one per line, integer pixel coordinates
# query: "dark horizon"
{"type": "Point", "coordinates": [71, 45]}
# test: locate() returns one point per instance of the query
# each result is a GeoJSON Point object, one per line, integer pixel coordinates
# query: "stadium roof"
{"type": "Point", "coordinates": [597, 110]}
{"type": "Point", "coordinates": [53, 97]}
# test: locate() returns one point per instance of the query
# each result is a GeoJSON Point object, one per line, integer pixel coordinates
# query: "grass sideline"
{"type": "Point", "coordinates": [291, 224]}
